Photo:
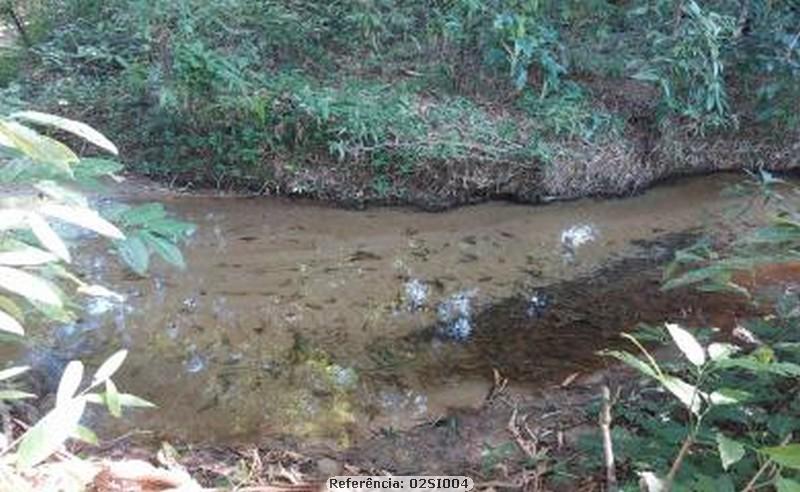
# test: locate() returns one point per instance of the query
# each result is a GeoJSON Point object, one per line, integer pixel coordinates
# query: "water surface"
{"type": "Point", "coordinates": [304, 320]}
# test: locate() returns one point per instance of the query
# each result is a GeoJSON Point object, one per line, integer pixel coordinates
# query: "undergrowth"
{"type": "Point", "coordinates": [251, 93]}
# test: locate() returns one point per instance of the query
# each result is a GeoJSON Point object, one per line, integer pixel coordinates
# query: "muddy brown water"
{"type": "Point", "coordinates": [294, 319]}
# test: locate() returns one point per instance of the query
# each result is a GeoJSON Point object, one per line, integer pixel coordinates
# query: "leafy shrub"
{"type": "Point", "coordinates": [34, 277]}
{"type": "Point", "coordinates": [228, 92]}
{"type": "Point", "coordinates": [731, 423]}
{"type": "Point", "coordinates": [690, 67]}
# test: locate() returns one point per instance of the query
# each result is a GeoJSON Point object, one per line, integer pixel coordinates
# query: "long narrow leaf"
{"type": "Point", "coordinates": [75, 127]}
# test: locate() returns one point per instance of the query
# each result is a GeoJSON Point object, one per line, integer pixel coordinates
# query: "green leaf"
{"type": "Point", "coordinates": [688, 344]}
{"type": "Point", "coordinates": [12, 372]}
{"type": "Point", "coordinates": [786, 485]}
{"type": "Point", "coordinates": [689, 395]}
{"type": "Point", "coordinates": [171, 228]}
{"type": "Point", "coordinates": [75, 127]}
{"type": "Point", "coordinates": [730, 451]}
{"type": "Point", "coordinates": [70, 382]}
{"type": "Point", "coordinates": [165, 249]}
{"type": "Point", "coordinates": [37, 147]}
{"type": "Point", "coordinates": [82, 217]}
{"type": "Point", "coordinates": [143, 215]}
{"type": "Point", "coordinates": [650, 482]}
{"type": "Point", "coordinates": [15, 395]}
{"type": "Point", "coordinates": [719, 351]}
{"type": "Point", "coordinates": [125, 400]}
{"type": "Point", "coordinates": [48, 237]}
{"type": "Point", "coordinates": [11, 307]}
{"type": "Point", "coordinates": [632, 361]}
{"type": "Point", "coordinates": [89, 168]}
{"type": "Point", "coordinates": [100, 291]}
{"type": "Point", "coordinates": [50, 433]}
{"type": "Point", "coordinates": [9, 324]}
{"type": "Point", "coordinates": [756, 366]}
{"type": "Point", "coordinates": [714, 274]}
{"type": "Point", "coordinates": [86, 435]}
{"type": "Point", "coordinates": [112, 399]}
{"type": "Point", "coordinates": [109, 367]}
{"type": "Point", "coordinates": [728, 396]}
{"type": "Point", "coordinates": [788, 456]}
{"type": "Point", "coordinates": [26, 256]}
{"type": "Point", "coordinates": [61, 194]}
{"type": "Point", "coordinates": [129, 400]}
{"type": "Point", "coordinates": [28, 286]}
{"type": "Point", "coordinates": [135, 254]}
{"type": "Point", "coordinates": [12, 218]}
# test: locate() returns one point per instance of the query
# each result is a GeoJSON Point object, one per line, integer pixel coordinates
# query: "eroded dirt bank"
{"type": "Point", "coordinates": [642, 156]}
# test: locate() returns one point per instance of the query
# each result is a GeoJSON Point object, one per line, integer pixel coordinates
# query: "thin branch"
{"type": "Point", "coordinates": [764, 467]}
{"type": "Point", "coordinates": [608, 446]}
{"type": "Point", "coordinates": [677, 16]}
{"type": "Point", "coordinates": [18, 23]}
{"type": "Point", "coordinates": [676, 465]}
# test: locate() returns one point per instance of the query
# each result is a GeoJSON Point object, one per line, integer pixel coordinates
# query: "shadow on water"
{"type": "Point", "coordinates": [542, 334]}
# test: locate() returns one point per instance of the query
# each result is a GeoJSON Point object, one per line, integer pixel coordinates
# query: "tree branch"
{"type": "Point", "coordinates": [608, 446]}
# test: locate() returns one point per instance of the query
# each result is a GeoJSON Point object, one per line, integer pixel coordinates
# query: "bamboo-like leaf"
{"type": "Point", "coordinates": [82, 217]}
{"type": "Point", "coordinates": [28, 286]}
{"type": "Point", "coordinates": [109, 367]}
{"type": "Point", "coordinates": [100, 291]}
{"type": "Point", "coordinates": [12, 372]}
{"type": "Point", "coordinates": [129, 400]}
{"type": "Point", "coordinates": [85, 434]}
{"type": "Point", "coordinates": [112, 399]}
{"type": "Point", "coordinates": [70, 382]}
{"type": "Point", "coordinates": [11, 307]}
{"type": "Point", "coordinates": [48, 237]}
{"type": "Point", "coordinates": [61, 194]}
{"type": "Point", "coordinates": [15, 395]}
{"type": "Point", "coordinates": [9, 324]}
{"type": "Point", "coordinates": [38, 147]}
{"type": "Point", "coordinates": [50, 433]}
{"type": "Point", "coordinates": [125, 400]}
{"type": "Point", "coordinates": [26, 256]}
{"type": "Point", "coordinates": [12, 218]}
{"type": "Point", "coordinates": [632, 361]}
{"type": "Point", "coordinates": [75, 127]}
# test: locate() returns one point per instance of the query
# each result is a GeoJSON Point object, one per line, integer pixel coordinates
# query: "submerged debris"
{"type": "Point", "coordinates": [416, 294]}
{"type": "Point", "coordinates": [537, 305]}
{"type": "Point", "coordinates": [575, 237]}
{"type": "Point", "coordinates": [455, 316]}
{"type": "Point", "coordinates": [195, 362]}
{"type": "Point", "coordinates": [345, 377]}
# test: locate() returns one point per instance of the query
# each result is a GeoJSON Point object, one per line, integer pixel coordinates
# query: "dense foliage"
{"type": "Point", "coordinates": [43, 178]}
{"type": "Point", "coordinates": [723, 416]}
{"type": "Point", "coordinates": [288, 95]}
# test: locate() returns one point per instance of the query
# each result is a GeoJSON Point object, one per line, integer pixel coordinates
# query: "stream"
{"type": "Point", "coordinates": [297, 319]}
